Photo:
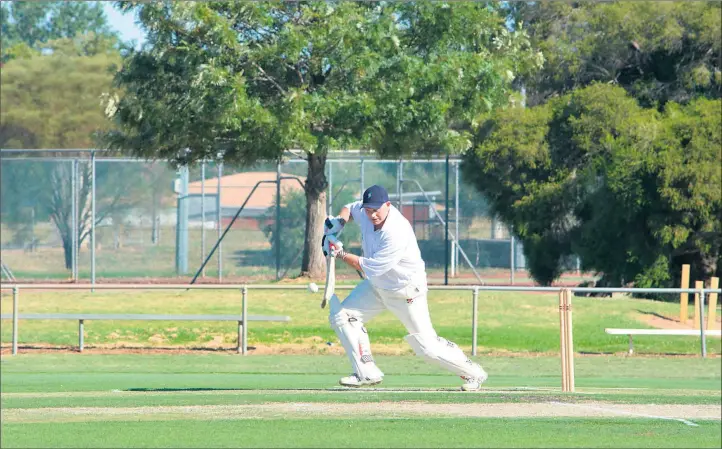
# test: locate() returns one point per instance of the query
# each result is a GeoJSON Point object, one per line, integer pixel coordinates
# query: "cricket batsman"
{"type": "Point", "coordinates": [395, 280]}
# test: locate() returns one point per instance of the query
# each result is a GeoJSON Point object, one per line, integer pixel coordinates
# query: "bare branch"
{"type": "Point", "coordinates": [269, 79]}
{"type": "Point", "coordinates": [296, 69]}
{"type": "Point", "coordinates": [298, 155]}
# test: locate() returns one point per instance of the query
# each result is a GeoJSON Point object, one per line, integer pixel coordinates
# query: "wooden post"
{"type": "Point", "coordinates": [566, 340]}
{"type": "Point", "coordinates": [563, 341]}
{"type": "Point", "coordinates": [697, 303]}
{"type": "Point", "coordinates": [684, 297]}
{"type": "Point", "coordinates": [570, 340]}
{"type": "Point", "coordinates": [714, 283]}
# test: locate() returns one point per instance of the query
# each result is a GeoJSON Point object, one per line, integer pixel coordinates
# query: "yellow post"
{"type": "Point", "coordinates": [684, 297]}
{"type": "Point", "coordinates": [697, 303]}
{"type": "Point", "coordinates": [570, 341]}
{"type": "Point", "coordinates": [714, 283]}
{"type": "Point", "coordinates": [563, 340]}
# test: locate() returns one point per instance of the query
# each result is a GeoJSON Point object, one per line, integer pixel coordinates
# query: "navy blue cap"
{"type": "Point", "coordinates": [375, 197]}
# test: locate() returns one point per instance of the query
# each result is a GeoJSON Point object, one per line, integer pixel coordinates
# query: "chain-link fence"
{"type": "Point", "coordinates": [151, 221]}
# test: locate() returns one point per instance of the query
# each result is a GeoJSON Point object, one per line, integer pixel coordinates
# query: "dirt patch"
{"type": "Point", "coordinates": [375, 410]}
{"type": "Point", "coordinates": [211, 347]}
{"type": "Point", "coordinates": [663, 322]}
{"type": "Point", "coordinates": [289, 349]}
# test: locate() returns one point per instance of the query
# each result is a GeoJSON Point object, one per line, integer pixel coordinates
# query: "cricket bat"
{"type": "Point", "coordinates": [329, 289]}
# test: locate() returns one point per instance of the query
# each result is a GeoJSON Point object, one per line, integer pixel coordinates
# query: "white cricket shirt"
{"type": "Point", "coordinates": [391, 257]}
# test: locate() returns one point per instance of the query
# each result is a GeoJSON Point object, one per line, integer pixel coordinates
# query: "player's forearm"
{"type": "Point", "coordinates": [345, 214]}
{"type": "Point", "coordinates": [352, 260]}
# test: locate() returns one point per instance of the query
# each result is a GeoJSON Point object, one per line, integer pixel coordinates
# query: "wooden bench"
{"type": "Point", "coordinates": [688, 332]}
{"type": "Point", "coordinates": [82, 317]}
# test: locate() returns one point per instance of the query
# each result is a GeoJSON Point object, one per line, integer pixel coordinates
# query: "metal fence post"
{"type": "Point", "coordinates": [218, 222]}
{"type": "Point", "coordinates": [16, 293]}
{"type": "Point", "coordinates": [701, 323]}
{"type": "Point", "coordinates": [244, 316]}
{"type": "Point", "coordinates": [181, 234]}
{"type": "Point", "coordinates": [203, 216]}
{"type": "Point", "coordinates": [446, 223]}
{"type": "Point", "coordinates": [74, 220]}
{"type": "Point", "coordinates": [511, 255]}
{"type": "Point", "coordinates": [92, 220]}
{"type": "Point", "coordinates": [400, 181]}
{"type": "Point", "coordinates": [329, 196]}
{"type": "Point", "coordinates": [362, 178]}
{"type": "Point", "coordinates": [277, 237]}
{"type": "Point", "coordinates": [81, 335]}
{"type": "Point", "coordinates": [455, 254]}
{"type": "Point", "coordinates": [474, 319]}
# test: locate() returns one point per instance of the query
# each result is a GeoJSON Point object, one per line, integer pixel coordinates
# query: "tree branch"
{"type": "Point", "coordinates": [86, 219]}
{"type": "Point", "coordinates": [298, 72]}
{"type": "Point", "coordinates": [269, 79]}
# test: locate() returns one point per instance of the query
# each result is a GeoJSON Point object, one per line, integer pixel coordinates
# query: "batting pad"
{"type": "Point", "coordinates": [355, 340]}
{"type": "Point", "coordinates": [444, 353]}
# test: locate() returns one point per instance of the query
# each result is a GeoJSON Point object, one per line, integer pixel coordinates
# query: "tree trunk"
{"type": "Point", "coordinates": [708, 265]}
{"type": "Point", "coordinates": [68, 249]}
{"type": "Point", "coordinates": [59, 204]}
{"type": "Point", "coordinates": [313, 264]}
{"type": "Point", "coordinates": [154, 215]}
{"type": "Point", "coordinates": [702, 266]}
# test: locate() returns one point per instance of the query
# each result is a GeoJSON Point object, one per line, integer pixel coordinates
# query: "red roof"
{"type": "Point", "coordinates": [235, 188]}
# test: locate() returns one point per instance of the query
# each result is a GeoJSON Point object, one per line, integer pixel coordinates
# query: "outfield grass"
{"type": "Point", "coordinates": [508, 322]}
{"type": "Point", "coordinates": [221, 400]}
{"type": "Point", "coordinates": [98, 372]}
{"type": "Point", "coordinates": [412, 433]}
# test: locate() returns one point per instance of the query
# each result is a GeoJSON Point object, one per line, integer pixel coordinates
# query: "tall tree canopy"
{"type": "Point", "coordinates": [250, 80]}
{"type": "Point", "coordinates": [657, 51]}
{"type": "Point", "coordinates": [52, 100]}
{"type": "Point", "coordinates": [29, 24]}
{"type": "Point", "coordinates": [456, 62]}
{"type": "Point", "coordinates": [55, 98]}
{"type": "Point", "coordinates": [633, 191]}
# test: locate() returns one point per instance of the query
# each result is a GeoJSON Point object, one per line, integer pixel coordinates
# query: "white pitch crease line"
{"type": "Point", "coordinates": [430, 390]}
{"type": "Point", "coordinates": [624, 412]}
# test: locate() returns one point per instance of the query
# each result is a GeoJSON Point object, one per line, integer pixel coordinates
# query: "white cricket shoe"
{"type": "Point", "coordinates": [354, 381]}
{"type": "Point", "coordinates": [474, 383]}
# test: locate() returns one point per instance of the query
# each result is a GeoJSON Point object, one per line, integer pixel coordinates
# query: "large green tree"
{"type": "Point", "coordinates": [30, 24]}
{"type": "Point", "coordinates": [55, 97]}
{"type": "Point", "coordinates": [634, 192]}
{"type": "Point", "coordinates": [456, 62]}
{"type": "Point", "coordinates": [52, 100]}
{"type": "Point", "coordinates": [248, 81]}
{"type": "Point", "coordinates": [658, 51]}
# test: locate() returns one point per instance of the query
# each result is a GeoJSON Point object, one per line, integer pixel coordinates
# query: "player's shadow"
{"type": "Point", "coordinates": [186, 389]}
{"type": "Point", "coordinates": [170, 390]}
{"type": "Point", "coordinates": [655, 314]}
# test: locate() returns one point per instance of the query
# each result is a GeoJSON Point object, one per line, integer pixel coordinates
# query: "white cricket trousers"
{"type": "Point", "coordinates": [410, 306]}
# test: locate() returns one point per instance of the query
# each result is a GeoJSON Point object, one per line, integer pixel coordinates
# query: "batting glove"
{"type": "Point", "coordinates": [333, 225]}
{"type": "Point", "coordinates": [331, 245]}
